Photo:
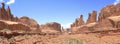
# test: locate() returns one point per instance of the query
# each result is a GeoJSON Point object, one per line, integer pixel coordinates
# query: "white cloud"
{"type": "Point", "coordinates": [66, 25]}
{"type": "Point", "coordinates": [10, 2]}
{"type": "Point", "coordinates": [1, 1]}
{"type": "Point", "coordinates": [116, 2]}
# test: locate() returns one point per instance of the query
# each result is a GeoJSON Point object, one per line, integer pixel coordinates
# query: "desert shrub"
{"type": "Point", "coordinates": [72, 41]}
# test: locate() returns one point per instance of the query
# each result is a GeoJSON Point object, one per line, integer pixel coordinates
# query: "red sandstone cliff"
{"type": "Point", "coordinates": [108, 19]}
{"type": "Point", "coordinates": [6, 15]}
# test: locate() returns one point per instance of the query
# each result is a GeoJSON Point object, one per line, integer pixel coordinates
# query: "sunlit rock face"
{"type": "Point", "coordinates": [30, 22]}
{"type": "Point", "coordinates": [5, 14]}
{"type": "Point", "coordinates": [51, 27]}
{"type": "Point", "coordinates": [92, 17]}
{"type": "Point", "coordinates": [13, 26]}
{"type": "Point", "coordinates": [108, 19]}
{"type": "Point", "coordinates": [110, 10]}
{"type": "Point", "coordinates": [78, 22]}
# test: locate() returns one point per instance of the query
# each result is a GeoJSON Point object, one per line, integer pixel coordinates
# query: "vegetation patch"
{"type": "Point", "coordinates": [72, 41]}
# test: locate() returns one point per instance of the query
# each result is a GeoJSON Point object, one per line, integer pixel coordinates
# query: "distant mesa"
{"type": "Point", "coordinates": [52, 27]}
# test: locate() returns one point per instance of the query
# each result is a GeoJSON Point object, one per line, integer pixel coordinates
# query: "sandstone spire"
{"type": "Point", "coordinates": [3, 5]}
{"type": "Point", "coordinates": [3, 13]}
{"type": "Point", "coordinates": [92, 17]}
{"type": "Point", "coordinates": [78, 22]}
{"type": "Point", "coordinates": [10, 16]}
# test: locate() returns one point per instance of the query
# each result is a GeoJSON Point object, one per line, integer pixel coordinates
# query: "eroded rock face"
{"type": "Point", "coordinates": [51, 27]}
{"type": "Point", "coordinates": [108, 19]}
{"type": "Point", "coordinates": [78, 22]}
{"type": "Point", "coordinates": [30, 22]}
{"type": "Point", "coordinates": [110, 10]}
{"type": "Point", "coordinates": [13, 26]}
{"type": "Point", "coordinates": [5, 14]}
{"type": "Point", "coordinates": [10, 16]}
{"type": "Point", "coordinates": [92, 17]}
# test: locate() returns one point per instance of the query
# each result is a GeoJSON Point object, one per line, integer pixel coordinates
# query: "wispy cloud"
{"type": "Point", "coordinates": [8, 2]}
{"type": "Point", "coordinates": [116, 2]}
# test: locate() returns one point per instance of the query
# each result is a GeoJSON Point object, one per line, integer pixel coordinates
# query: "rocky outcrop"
{"type": "Point", "coordinates": [115, 21]}
{"type": "Point", "coordinates": [108, 19]}
{"type": "Point", "coordinates": [52, 27]}
{"type": "Point", "coordinates": [10, 16]}
{"type": "Point", "coordinates": [5, 14]}
{"type": "Point", "coordinates": [78, 22]}
{"type": "Point", "coordinates": [110, 10]}
{"type": "Point", "coordinates": [30, 22]}
{"type": "Point", "coordinates": [92, 17]}
{"type": "Point", "coordinates": [13, 26]}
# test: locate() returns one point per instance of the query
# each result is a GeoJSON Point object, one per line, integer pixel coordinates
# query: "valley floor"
{"type": "Point", "coordinates": [91, 38]}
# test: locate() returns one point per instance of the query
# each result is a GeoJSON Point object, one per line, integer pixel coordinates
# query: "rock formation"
{"type": "Point", "coordinates": [5, 14]}
{"type": "Point", "coordinates": [30, 22]}
{"type": "Point", "coordinates": [10, 16]}
{"type": "Point", "coordinates": [108, 19]}
{"type": "Point", "coordinates": [92, 17]}
{"type": "Point", "coordinates": [110, 10]}
{"type": "Point", "coordinates": [52, 27]}
{"type": "Point", "coordinates": [78, 22]}
{"type": "Point", "coordinates": [13, 26]}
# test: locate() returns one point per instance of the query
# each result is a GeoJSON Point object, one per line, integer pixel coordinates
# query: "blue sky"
{"type": "Point", "coordinates": [62, 11]}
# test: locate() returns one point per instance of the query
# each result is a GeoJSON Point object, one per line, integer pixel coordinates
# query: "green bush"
{"type": "Point", "coordinates": [72, 41]}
